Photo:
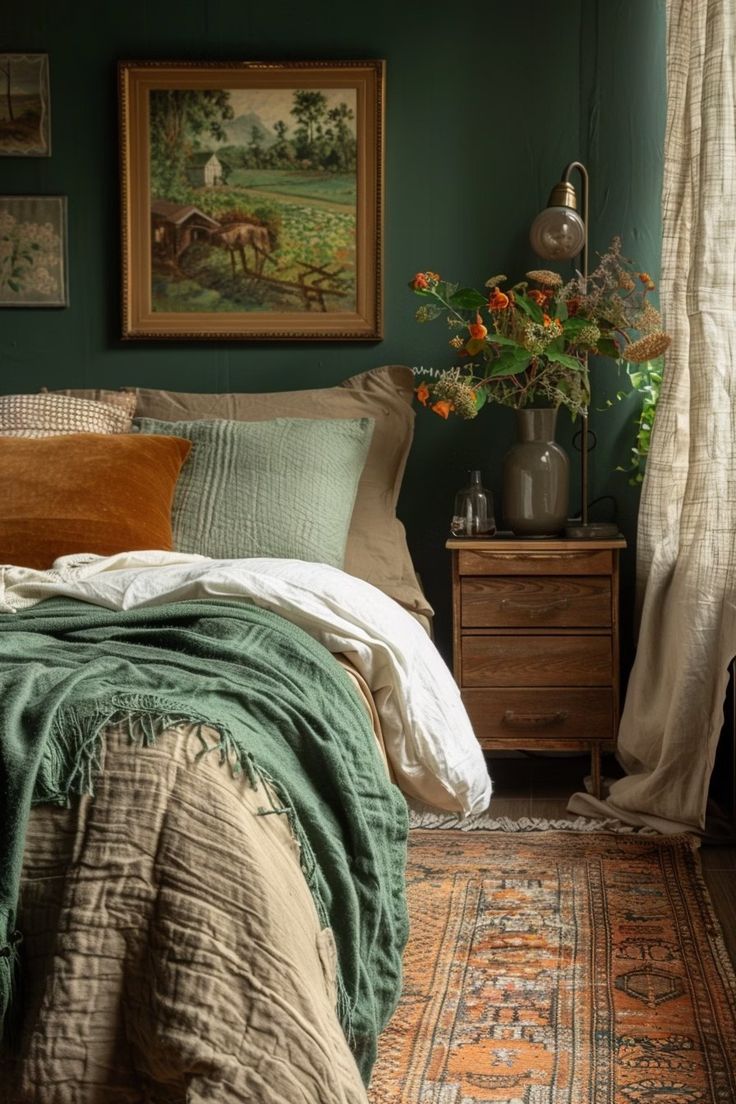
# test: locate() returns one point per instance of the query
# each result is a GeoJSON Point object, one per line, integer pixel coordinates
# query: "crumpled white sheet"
{"type": "Point", "coordinates": [430, 743]}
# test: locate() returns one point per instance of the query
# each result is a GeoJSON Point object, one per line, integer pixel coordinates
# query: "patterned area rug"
{"type": "Point", "coordinates": [559, 968]}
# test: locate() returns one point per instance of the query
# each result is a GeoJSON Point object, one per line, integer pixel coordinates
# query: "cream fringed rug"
{"type": "Point", "coordinates": [559, 967]}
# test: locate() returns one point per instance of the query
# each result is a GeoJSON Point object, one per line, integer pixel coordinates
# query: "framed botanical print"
{"type": "Point", "coordinates": [33, 251]}
{"type": "Point", "coordinates": [252, 200]}
{"type": "Point", "coordinates": [25, 117]}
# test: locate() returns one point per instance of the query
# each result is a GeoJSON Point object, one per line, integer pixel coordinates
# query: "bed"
{"type": "Point", "coordinates": [217, 737]}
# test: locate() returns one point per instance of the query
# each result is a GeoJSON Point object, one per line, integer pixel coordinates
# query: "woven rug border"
{"type": "Point", "coordinates": [487, 823]}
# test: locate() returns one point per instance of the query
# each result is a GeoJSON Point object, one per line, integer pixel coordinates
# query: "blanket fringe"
{"type": "Point", "coordinates": [73, 757]}
{"type": "Point", "coordinates": [487, 823]}
{"type": "Point", "coordinates": [9, 984]}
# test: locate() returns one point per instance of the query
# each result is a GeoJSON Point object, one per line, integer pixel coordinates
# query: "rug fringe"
{"type": "Point", "coordinates": [426, 818]}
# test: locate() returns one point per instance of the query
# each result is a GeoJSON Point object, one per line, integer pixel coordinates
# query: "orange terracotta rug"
{"type": "Point", "coordinates": [559, 968]}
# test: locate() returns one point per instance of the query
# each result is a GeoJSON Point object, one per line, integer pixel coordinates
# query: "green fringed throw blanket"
{"type": "Point", "coordinates": [285, 711]}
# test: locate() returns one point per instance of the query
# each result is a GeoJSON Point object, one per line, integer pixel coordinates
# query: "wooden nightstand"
{"type": "Point", "coordinates": [535, 642]}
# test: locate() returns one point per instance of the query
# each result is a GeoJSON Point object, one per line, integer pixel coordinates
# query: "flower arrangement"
{"type": "Point", "coordinates": [534, 338]}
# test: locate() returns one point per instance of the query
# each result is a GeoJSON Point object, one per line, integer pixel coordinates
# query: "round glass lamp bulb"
{"type": "Point", "coordinates": [557, 234]}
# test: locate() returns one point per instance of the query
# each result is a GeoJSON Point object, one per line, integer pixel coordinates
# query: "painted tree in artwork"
{"type": "Point", "coordinates": [5, 70]}
{"type": "Point", "coordinates": [309, 111]}
{"type": "Point", "coordinates": [177, 119]}
{"type": "Point", "coordinates": [341, 136]}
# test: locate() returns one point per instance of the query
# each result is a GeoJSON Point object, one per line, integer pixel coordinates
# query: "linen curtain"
{"type": "Point", "coordinates": [686, 567]}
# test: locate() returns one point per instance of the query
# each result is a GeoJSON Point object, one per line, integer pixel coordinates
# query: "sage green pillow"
{"type": "Point", "coordinates": [282, 488]}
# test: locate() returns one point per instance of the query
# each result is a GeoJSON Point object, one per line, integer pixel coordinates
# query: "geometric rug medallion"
{"type": "Point", "coordinates": [559, 968]}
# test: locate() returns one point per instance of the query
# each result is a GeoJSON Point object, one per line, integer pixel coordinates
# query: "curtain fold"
{"type": "Point", "coordinates": [686, 565]}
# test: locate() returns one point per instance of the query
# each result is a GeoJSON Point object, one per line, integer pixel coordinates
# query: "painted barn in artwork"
{"type": "Point", "coordinates": [174, 226]}
{"type": "Point", "coordinates": [205, 170]}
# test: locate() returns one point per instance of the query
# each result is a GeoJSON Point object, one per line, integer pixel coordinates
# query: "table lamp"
{"type": "Point", "coordinates": [560, 233]}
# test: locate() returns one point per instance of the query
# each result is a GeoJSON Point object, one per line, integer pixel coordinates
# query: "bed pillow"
{"type": "Point", "coordinates": [284, 488]}
{"type": "Point", "coordinates": [86, 492]}
{"type": "Point", "coordinates": [376, 548]}
{"type": "Point", "coordinates": [124, 399]}
{"type": "Point", "coordinates": [49, 415]}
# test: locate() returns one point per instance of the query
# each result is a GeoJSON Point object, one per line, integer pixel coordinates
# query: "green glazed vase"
{"type": "Point", "coordinates": [536, 477]}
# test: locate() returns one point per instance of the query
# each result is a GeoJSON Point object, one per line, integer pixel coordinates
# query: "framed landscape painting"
{"type": "Point", "coordinates": [252, 200]}
{"type": "Point", "coordinates": [25, 125]}
{"type": "Point", "coordinates": [33, 264]}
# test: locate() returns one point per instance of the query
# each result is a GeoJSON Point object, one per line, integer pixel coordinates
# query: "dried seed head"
{"type": "Point", "coordinates": [648, 347]}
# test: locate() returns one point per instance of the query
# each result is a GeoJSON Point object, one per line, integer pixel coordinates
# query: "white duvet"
{"type": "Point", "coordinates": [429, 741]}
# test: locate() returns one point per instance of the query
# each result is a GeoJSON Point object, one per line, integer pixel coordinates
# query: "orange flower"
{"type": "Point", "coordinates": [573, 306]}
{"type": "Point", "coordinates": [422, 393]}
{"type": "Point", "coordinates": [546, 320]}
{"type": "Point", "coordinates": [498, 300]}
{"type": "Point", "coordinates": [537, 296]}
{"type": "Point", "coordinates": [477, 329]}
{"type": "Point", "coordinates": [443, 408]}
{"type": "Point", "coordinates": [647, 280]}
{"type": "Point", "coordinates": [420, 282]}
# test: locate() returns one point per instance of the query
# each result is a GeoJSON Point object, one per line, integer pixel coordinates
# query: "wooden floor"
{"type": "Point", "coordinates": [540, 786]}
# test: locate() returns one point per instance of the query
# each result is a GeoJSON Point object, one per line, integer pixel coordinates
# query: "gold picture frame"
{"type": "Point", "coordinates": [252, 200]}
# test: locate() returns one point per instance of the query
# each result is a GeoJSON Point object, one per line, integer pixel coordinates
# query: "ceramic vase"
{"type": "Point", "coordinates": [536, 477]}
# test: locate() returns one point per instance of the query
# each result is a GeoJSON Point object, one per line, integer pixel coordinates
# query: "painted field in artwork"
{"type": "Point", "coordinates": [253, 200]}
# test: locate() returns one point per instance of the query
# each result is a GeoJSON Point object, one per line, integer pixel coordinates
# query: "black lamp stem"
{"type": "Point", "coordinates": [584, 269]}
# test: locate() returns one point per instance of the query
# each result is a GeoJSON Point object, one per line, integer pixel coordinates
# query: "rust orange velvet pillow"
{"type": "Point", "coordinates": [86, 492]}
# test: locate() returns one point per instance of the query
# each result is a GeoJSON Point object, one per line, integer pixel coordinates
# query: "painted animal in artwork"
{"type": "Point", "coordinates": [237, 236]}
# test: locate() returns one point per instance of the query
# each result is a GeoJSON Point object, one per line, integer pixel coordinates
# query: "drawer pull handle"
{"type": "Point", "coordinates": [534, 611]}
{"type": "Point", "coordinates": [533, 720]}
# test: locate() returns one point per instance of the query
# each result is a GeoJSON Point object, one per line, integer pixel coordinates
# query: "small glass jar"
{"type": "Point", "coordinates": [473, 513]}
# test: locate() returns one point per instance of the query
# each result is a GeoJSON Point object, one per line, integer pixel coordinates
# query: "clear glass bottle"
{"type": "Point", "coordinates": [473, 513]}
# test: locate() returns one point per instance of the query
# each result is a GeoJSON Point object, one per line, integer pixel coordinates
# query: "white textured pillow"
{"type": "Point", "coordinates": [49, 415]}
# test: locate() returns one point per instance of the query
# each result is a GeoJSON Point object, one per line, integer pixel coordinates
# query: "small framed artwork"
{"type": "Point", "coordinates": [252, 200]}
{"type": "Point", "coordinates": [25, 118]}
{"type": "Point", "coordinates": [33, 248]}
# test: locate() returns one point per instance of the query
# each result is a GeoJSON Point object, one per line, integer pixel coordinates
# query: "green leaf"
{"type": "Point", "coordinates": [13, 285]}
{"type": "Point", "coordinates": [561, 311]}
{"type": "Point", "coordinates": [449, 289]}
{"type": "Point", "coordinates": [573, 326]}
{"type": "Point", "coordinates": [500, 339]}
{"type": "Point", "coordinates": [510, 363]}
{"type": "Point", "coordinates": [467, 299]}
{"type": "Point", "coordinates": [481, 397]}
{"type": "Point", "coordinates": [531, 309]}
{"type": "Point", "coordinates": [565, 360]}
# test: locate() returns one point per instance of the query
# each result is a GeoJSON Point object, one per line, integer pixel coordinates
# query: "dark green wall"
{"type": "Point", "coordinates": [486, 103]}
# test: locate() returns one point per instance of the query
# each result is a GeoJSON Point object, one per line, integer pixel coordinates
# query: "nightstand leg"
{"type": "Point", "coordinates": [595, 769]}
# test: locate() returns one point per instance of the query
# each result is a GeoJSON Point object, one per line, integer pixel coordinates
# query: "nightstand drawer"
{"type": "Point", "coordinates": [517, 602]}
{"type": "Point", "coordinates": [500, 562]}
{"type": "Point", "coordinates": [520, 717]}
{"type": "Point", "coordinates": [563, 660]}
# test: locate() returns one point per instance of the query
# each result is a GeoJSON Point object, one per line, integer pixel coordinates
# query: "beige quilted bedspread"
{"type": "Point", "coordinates": [172, 948]}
